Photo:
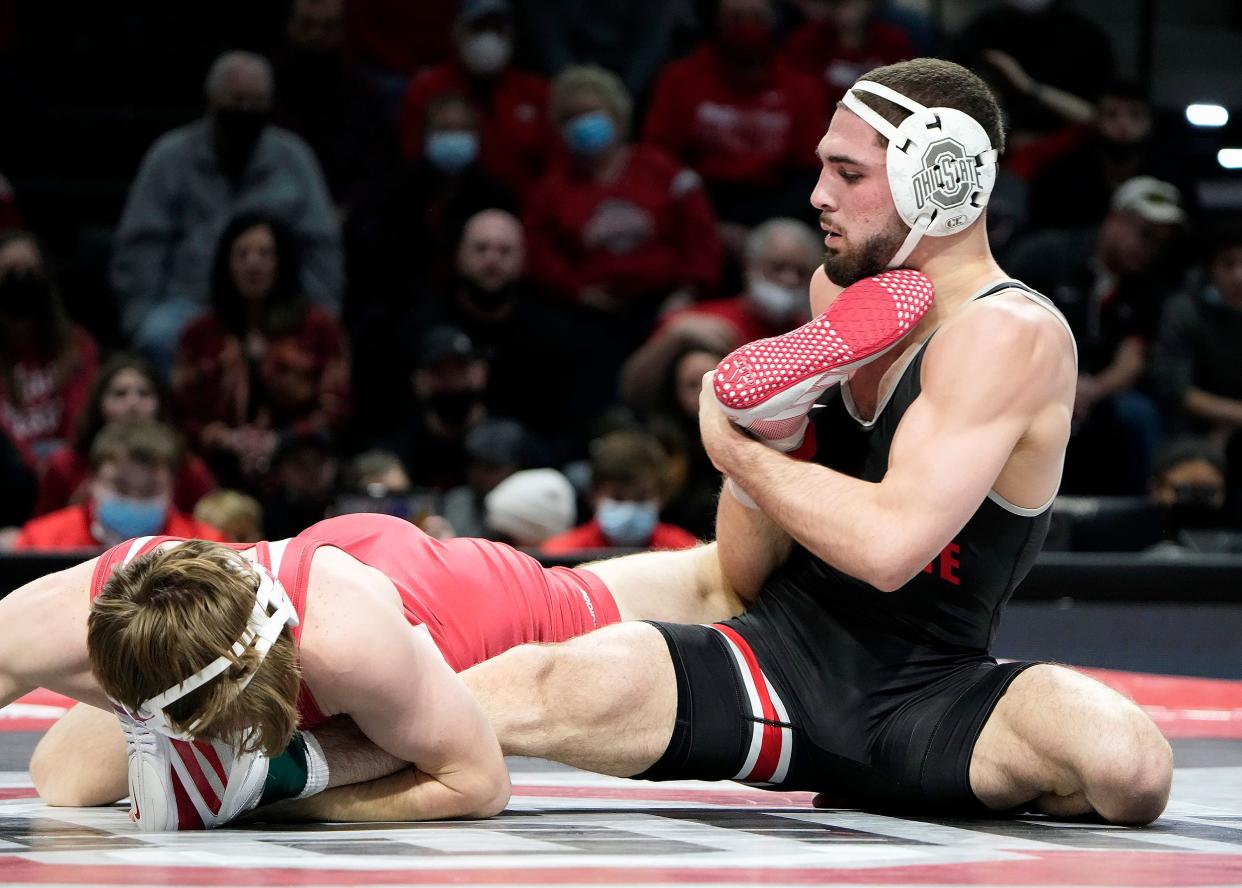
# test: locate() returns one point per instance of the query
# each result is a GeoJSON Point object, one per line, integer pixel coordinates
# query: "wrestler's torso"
{"type": "Point", "coordinates": [856, 646]}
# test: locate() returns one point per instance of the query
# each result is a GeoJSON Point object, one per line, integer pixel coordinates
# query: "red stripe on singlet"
{"type": "Point", "coordinates": [770, 743]}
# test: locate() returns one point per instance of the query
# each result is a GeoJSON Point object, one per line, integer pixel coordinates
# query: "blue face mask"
{"type": "Point", "coordinates": [451, 151]}
{"type": "Point", "coordinates": [627, 522]}
{"type": "Point", "coordinates": [590, 134]}
{"type": "Point", "coordinates": [127, 518]}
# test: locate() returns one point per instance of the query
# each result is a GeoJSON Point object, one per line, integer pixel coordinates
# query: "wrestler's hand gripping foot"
{"type": "Point", "coordinates": [769, 386]}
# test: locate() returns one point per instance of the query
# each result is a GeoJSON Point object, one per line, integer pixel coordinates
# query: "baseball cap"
{"type": "Point", "coordinates": [472, 10]}
{"type": "Point", "coordinates": [443, 343]}
{"type": "Point", "coordinates": [1149, 197]}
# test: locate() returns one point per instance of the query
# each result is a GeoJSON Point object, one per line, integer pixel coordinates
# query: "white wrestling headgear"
{"type": "Point", "coordinates": [272, 612]}
{"type": "Point", "coordinates": [941, 165]}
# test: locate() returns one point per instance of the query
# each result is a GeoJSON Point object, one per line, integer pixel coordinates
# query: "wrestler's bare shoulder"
{"type": "Point", "coordinates": [345, 601]}
{"type": "Point", "coordinates": [1010, 329]}
{"type": "Point", "coordinates": [68, 588]}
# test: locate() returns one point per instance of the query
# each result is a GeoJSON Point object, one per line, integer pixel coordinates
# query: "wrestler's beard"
{"type": "Point", "coordinates": [845, 268]}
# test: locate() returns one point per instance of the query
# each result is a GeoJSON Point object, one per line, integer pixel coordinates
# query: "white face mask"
{"type": "Point", "coordinates": [774, 303]}
{"type": "Point", "coordinates": [485, 54]}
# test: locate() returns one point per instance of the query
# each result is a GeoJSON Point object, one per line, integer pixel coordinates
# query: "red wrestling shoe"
{"type": "Point", "coordinates": [768, 386]}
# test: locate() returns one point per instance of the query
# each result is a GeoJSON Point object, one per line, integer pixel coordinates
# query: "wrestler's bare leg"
{"type": "Point", "coordinates": [685, 586]}
{"type": "Point", "coordinates": [1067, 745]}
{"type": "Point", "coordinates": [605, 701]}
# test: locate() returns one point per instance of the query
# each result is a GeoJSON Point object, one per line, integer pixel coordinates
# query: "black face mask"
{"type": "Point", "coordinates": [237, 131]}
{"type": "Point", "coordinates": [24, 294]}
{"type": "Point", "coordinates": [453, 408]}
{"type": "Point", "coordinates": [489, 300]}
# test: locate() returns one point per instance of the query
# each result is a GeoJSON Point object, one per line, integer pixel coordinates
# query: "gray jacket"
{"type": "Point", "coordinates": [180, 202]}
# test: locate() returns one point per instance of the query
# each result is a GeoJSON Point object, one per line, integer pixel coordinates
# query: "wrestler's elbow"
{"type": "Point", "coordinates": [889, 569]}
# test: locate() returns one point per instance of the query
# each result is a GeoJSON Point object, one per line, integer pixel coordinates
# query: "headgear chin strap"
{"type": "Point", "coordinates": [272, 612]}
{"type": "Point", "coordinates": [941, 165]}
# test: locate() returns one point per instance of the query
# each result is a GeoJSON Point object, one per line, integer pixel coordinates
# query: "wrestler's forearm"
{"type": "Point", "coordinates": [833, 515]}
{"type": "Point", "coordinates": [749, 545]}
{"type": "Point", "coordinates": [408, 795]}
{"type": "Point", "coordinates": [351, 756]}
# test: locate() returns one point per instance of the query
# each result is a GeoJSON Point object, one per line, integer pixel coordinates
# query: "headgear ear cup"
{"type": "Point", "coordinates": [941, 165]}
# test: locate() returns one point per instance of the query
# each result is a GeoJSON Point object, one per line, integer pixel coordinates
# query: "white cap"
{"type": "Point", "coordinates": [1154, 200]}
{"type": "Point", "coordinates": [531, 506]}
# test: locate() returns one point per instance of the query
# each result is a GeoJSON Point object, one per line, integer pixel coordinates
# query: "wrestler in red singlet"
{"type": "Point", "coordinates": [476, 598]}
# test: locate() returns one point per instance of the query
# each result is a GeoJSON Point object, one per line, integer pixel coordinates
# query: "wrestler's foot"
{"type": "Point", "coordinates": [768, 386]}
{"type": "Point", "coordinates": [187, 785]}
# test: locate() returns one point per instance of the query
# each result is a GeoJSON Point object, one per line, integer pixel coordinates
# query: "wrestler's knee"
{"type": "Point", "coordinates": [60, 782]}
{"type": "Point", "coordinates": [1130, 782]}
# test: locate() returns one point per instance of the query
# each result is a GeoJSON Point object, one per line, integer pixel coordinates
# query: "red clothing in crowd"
{"type": "Point", "coordinates": [733, 133]}
{"type": "Point", "coordinates": [63, 482]}
{"type": "Point", "coordinates": [50, 395]}
{"type": "Point", "coordinates": [746, 326]}
{"type": "Point", "coordinates": [304, 377]}
{"type": "Point", "coordinates": [397, 35]}
{"type": "Point", "coordinates": [646, 233]}
{"type": "Point", "coordinates": [516, 137]}
{"type": "Point", "coordinates": [70, 528]}
{"type": "Point", "coordinates": [589, 536]}
{"type": "Point", "coordinates": [816, 49]}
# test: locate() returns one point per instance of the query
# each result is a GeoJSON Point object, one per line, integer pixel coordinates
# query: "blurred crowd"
{"type": "Point", "coordinates": [467, 263]}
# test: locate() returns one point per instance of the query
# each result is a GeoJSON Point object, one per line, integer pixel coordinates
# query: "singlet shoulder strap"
{"type": "Point", "coordinates": [290, 562]}
{"type": "Point", "coordinates": [121, 555]}
{"type": "Point", "coordinates": [1035, 296]}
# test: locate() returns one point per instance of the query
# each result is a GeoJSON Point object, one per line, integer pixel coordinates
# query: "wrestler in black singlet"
{"type": "Point", "coordinates": [881, 695]}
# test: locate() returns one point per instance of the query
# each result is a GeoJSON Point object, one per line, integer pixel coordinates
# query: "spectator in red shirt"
{"type": "Point", "coordinates": [619, 226]}
{"type": "Point", "coordinates": [512, 104]}
{"type": "Point", "coordinates": [263, 361]}
{"type": "Point", "coordinates": [125, 390]}
{"type": "Point", "coordinates": [47, 362]}
{"type": "Point", "coordinates": [629, 477]}
{"type": "Point", "coordinates": [131, 483]}
{"type": "Point", "coordinates": [844, 40]}
{"type": "Point", "coordinates": [741, 116]}
{"type": "Point", "coordinates": [780, 256]}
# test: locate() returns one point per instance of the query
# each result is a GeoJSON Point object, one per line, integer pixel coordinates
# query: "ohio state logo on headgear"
{"type": "Point", "coordinates": [948, 176]}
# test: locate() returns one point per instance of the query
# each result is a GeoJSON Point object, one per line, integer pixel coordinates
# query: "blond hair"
{"type": "Point", "coordinates": [165, 616]}
{"type": "Point", "coordinates": [594, 79]}
{"type": "Point", "coordinates": [235, 514]}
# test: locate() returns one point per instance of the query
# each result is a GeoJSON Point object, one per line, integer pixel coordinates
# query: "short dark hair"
{"type": "Point", "coordinates": [627, 457]}
{"type": "Point", "coordinates": [1184, 450]}
{"type": "Point", "coordinates": [151, 444]}
{"type": "Point", "coordinates": [1222, 235]}
{"type": "Point", "coordinates": [936, 83]}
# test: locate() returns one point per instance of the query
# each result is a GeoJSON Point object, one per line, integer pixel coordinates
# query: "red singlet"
{"type": "Point", "coordinates": [476, 598]}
